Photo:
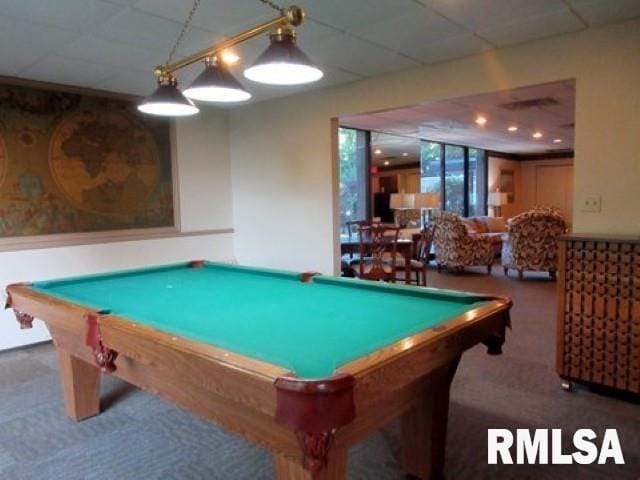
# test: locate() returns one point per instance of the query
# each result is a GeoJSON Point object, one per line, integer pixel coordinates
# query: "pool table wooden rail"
{"type": "Point", "coordinates": [408, 379]}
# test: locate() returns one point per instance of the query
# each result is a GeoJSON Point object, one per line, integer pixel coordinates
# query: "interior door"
{"type": "Point", "coordinates": [554, 188]}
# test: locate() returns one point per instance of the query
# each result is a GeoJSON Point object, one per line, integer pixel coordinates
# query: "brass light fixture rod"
{"type": "Point", "coordinates": [291, 16]}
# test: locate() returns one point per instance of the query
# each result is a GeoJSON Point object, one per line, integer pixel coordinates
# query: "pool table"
{"type": "Point", "coordinates": [304, 364]}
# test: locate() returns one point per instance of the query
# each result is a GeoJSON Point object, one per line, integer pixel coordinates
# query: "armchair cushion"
{"type": "Point", "coordinates": [455, 247]}
{"type": "Point", "coordinates": [531, 241]}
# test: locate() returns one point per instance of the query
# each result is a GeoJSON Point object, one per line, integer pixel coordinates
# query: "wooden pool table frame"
{"type": "Point", "coordinates": [308, 425]}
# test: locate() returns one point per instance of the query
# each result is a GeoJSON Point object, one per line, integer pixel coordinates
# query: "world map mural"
{"type": "Point", "coordinates": [79, 163]}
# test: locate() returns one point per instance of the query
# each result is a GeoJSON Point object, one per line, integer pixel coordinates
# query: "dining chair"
{"type": "Point", "coordinates": [420, 262]}
{"type": "Point", "coordinates": [378, 252]}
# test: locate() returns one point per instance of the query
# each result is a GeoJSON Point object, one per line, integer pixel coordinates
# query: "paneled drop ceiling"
{"type": "Point", "coordinates": [114, 44]}
{"type": "Point", "coordinates": [547, 108]}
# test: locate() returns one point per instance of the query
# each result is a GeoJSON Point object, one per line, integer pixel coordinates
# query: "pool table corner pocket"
{"type": "Point", "coordinates": [24, 319]}
{"type": "Point", "coordinates": [315, 409]}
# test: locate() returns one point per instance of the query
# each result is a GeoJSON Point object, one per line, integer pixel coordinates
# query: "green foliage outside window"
{"type": "Point", "coordinates": [349, 208]}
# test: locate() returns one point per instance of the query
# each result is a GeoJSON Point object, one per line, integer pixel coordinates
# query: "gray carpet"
{"type": "Point", "coordinates": [141, 437]}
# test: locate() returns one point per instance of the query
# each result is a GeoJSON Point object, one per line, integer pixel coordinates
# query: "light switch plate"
{"type": "Point", "coordinates": [592, 204]}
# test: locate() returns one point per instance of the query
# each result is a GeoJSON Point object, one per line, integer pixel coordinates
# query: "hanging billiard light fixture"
{"type": "Point", "coordinates": [216, 84]}
{"type": "Point", "coordinates": [282, 63]}
{"type": "Point", "coordinates": [168, 101]}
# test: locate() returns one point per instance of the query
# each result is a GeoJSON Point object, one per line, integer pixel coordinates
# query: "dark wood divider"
{"type": "Point", "coordinates": [598, 335]}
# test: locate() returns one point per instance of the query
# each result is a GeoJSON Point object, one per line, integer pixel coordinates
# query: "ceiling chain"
{"type": "Point", "coordinates": [192, 12]}
{"type": "Point", "coordinates": [187, 22]}
{"type": "Point", "coordinates": [273, 5]}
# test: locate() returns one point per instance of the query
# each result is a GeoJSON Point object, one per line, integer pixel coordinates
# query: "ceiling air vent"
{"type": "Point", "coordinates": [568, 125]}
{"type": "Point", "coordinates": [532, 103]}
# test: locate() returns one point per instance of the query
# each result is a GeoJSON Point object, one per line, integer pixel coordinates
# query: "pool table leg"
{"type": "Point", "coordinates": [290, 468]}
{"type": "Point", "coordinates": [80, 386]}
{"type": "Point", "coordinates": [424, 426]}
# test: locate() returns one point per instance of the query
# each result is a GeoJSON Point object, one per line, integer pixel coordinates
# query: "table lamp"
{"type": "Point", "coordinates": [402, 202]}
{"type": "Point", "coordinates": [426, 201]}
{"type": "Point", "coordinates": [496, 200]}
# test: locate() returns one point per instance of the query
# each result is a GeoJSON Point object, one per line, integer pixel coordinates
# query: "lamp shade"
{"type": "Point", "coordinates": [168, 101]}
{"type": "Point", "coordinates": [283, 63]}
{"type": "Point", "coordinates": [402, 201]}
{"type": "Point", "coordinates": [427, 200]}
{"type": "Point", "coordinates": [497, 199]}
{"type": "Point", "coordinates": [216, 84]}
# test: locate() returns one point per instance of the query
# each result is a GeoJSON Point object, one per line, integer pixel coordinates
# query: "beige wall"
{"type": "Point", "coordinates": [282, 172]}
{"type": "Point", "coordinates": [530, 190]}
{"type": "Point", "coordinates": [205, 203]}
{"type": "Point", "coordinates": [526, 179]}
{"type": "Point", "coordinates": [202, 150]}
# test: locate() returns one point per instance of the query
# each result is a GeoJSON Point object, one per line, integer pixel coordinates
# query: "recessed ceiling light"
{"type": "Point", "coordinates": [537, 135]}
{"type": "Point", "coordinates": [386, 162]}
{"type": "Point", "coordinates": [377, 151]}
{"type": "Point", "coordinates": [229, 57]}
{"type": "Point", "coordinates": [405, 154]}
{"type": "Point", "coordinates": [481, 120]}
{"type": "Point", "coordinates": [557, 140]}
{"type": "Point", "coordinates": [513, 128]}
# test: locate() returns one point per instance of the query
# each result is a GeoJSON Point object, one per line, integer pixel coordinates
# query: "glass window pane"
{"type": "Point", "coordinates": [430, 174]}
{"type": "Point", "coordinates": [454, 179]}
{"type": "Point", "coordinates": [353, 176]}
{"type": "Point", "coordinates": [477, 183]}
{"type": "Point", "coordinates": [472, 181]}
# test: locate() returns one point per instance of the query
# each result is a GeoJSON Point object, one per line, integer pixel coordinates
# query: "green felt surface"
{"type": "Point", "coordinates": [309, 328]}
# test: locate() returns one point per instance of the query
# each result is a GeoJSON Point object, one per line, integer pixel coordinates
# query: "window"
{"type": "Point", "coordinates": [454, 176]}
{"type": "Point", "coordinates": [477, 182]}
{"type": "Point", "coordinates": [430, 169]}
{"type": "Point", "coordinates": [354, 175]}
{"type": "Point", "coordinates": [458, 174]}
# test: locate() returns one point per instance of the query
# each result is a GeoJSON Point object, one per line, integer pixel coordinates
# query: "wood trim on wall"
{"type": "Point", "coordinates": [519, 157]}
{"type": "Point", "coordinates": [74, 239]}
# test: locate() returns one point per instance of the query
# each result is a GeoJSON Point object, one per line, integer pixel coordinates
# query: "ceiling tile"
{"type": "Point", "coordinates": [311, 32]}
{"type": "Point", "coordinates": [140, 30]}
{"type": "Point", "coordinates": [408, 30]}
{"type": "Point", "coordinates": [348, 15]}
{"type": "Point", "coordinates": [194, 40]}
{"type": "Point", "coordinates": [531, 28]}
{"type": "Point", "coordinates": [448, 48]}
{"type": "Point", "coordinates": [221, 17]}
{"type": "Point", "coordinates": [131, 82]}
{"type": "Point", "coordinates": [98, 50]}
{"type": "Point", "coordinates": [488, 14]}
{"type": "Point", "coordinates": [67, 71]}
{"type": "Point", "coordinates": [598, 12]}
{"type": "Point", "coordinates": [35, 42]}
{"type": "Point", "coordinates": [356, 55]}
{"type": "Point", "coordinates": [107, 40]}
{"type": "Point", "coordinates": [81, 15]}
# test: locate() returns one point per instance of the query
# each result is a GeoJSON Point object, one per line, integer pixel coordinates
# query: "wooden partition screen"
{"type": "Point", "coordinates": [598, 336]}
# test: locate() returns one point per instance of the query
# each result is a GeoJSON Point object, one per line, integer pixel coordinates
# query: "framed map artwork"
{"type": "Point", "coordinates": [76, 163]}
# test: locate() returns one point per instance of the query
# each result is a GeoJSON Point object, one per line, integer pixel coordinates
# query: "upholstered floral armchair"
{"type": "Point", "coordinates": [531, 242]}
{"type": "Point", "coordinates": [455, 248]}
